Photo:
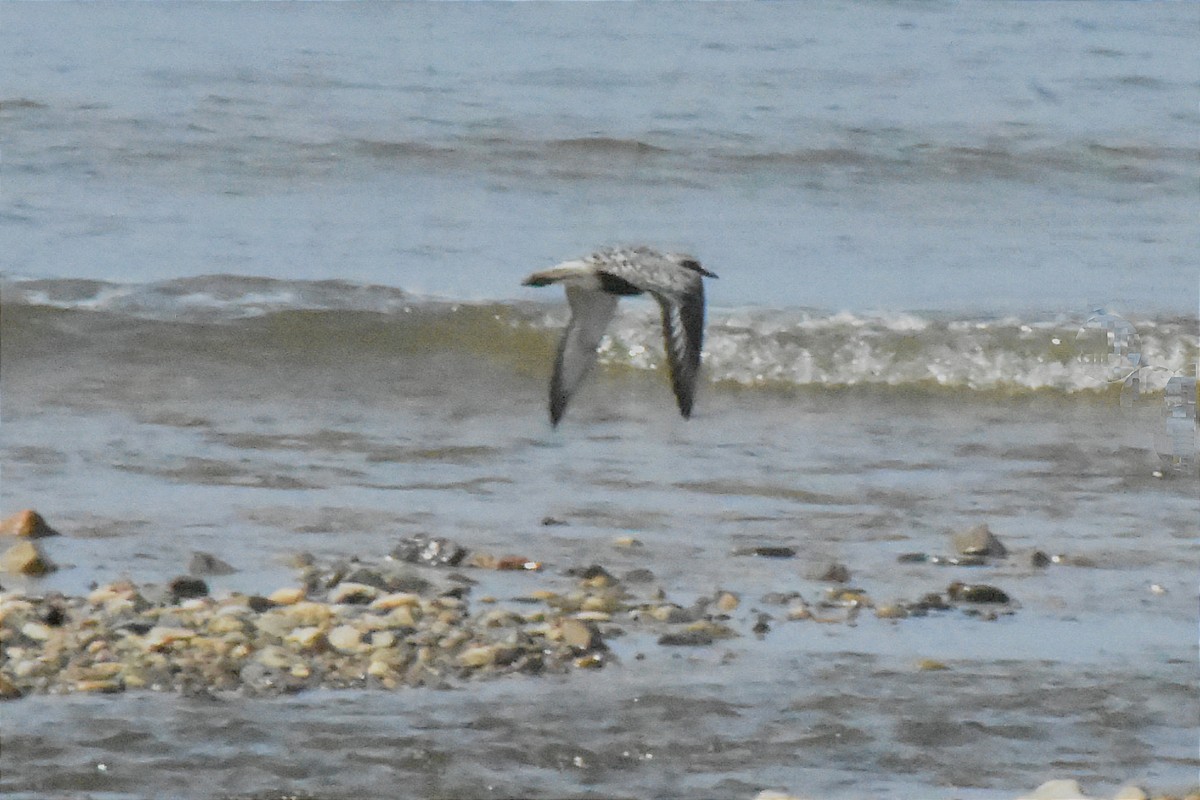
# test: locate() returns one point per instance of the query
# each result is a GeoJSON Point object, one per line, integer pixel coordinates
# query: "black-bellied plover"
{"type": "Point", "coordinates": [594, 284]}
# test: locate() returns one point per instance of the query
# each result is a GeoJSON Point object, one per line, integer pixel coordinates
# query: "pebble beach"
{"type": "Point", "coordinates": [418, 620]}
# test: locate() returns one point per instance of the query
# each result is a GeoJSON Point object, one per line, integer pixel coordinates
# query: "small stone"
{"type": "Point", "coordinates": [891, 611]}
{"type": "Point", "coordinates": [185, 586]}
{"type": "Point", "coordinates": [379, 669]}
{"type": "Point", "coordinates": [975, 593]}
{"type": "Point", "coordinates": [382, 639]}
{"type": "Point", "coordinates": [979, 541]}
{"type": "Point", "coordinates": [275, 657]}
{"type": "Point", "coordinates": [307, 638]}
{"type": "Point", "coordinates": [638, 575]}
{"type": "Point", "coordinates": [8, 689]}
{"type": "Point", "coordinates": [36, 631]}
{"type": "Point", "coordinates": [499, 618]}
{"type": "Point", "coordinates": [258, 604]}
{"type": "Point", "coordinates": [931, 665]}
{"type": "Point", "coordinates": [482, 560]}
{"type": "Point", "coordinates": [847, 597]}
{"type": "Point", "coordinates": [549, 521]}
{"type": "Point", "coordinates": [396, 600]}
{"type": "Point", "coordinates": [225, 623]}
{"type": "Point", "coordinates": [831, 573]}
{"type": "Point", "coordinates": [120, 591]}
{"type": "Point", "coordinates": [350, 593]}
{"type": "Point", "coordinates": [430, 550]}
{"type": "Point", "coordinates": [727, 602]}
{"type": "Point", "coordinates": [479, 656]}
{"type": "Point", "coordinates": [686, 638]}
{"type": "Point", "coordinates": [161, 637]}
{"type": "Point", "coordinates": [517, 563]}
{"type": "Point", "coordinates": [54, 615]}
{"type": "Point", "coordinates": [762, 626]}
{"type": "Point", "coordinates": [581, 635]}
{"type": "Point", "coordinates": [800, 611]}
{"type": "Point", "coordinates": [300, 560]}
{"type": "Point", "coordinates": [208, 564]}
{"type": "Point", "coordinates": [100, 686]}
{"type": "Point", "coordinates": [781, 598]}
{"type": "Point", "coordinates": [345, 639]}
{"type": "Point", "coordinates": [627, 542]}
{"type": "Point", "coordinates": [27, 524]}
{"type": "Point", "coordinates": [672, 613]}
{"type": "Point", "coordinates": [1040, 559]}
{"type": "Point", "coordinates": [304, 613]}
{"type": "Point", "coordinates": [403, 616]}
{"type": "Point", "coordinates": [104, 671]}
{"type": "Point", "coordinates": [766, 551]}
{"type": "Point", "coordinates": [605, 603]}
{"type": "Point", "coordinates": [26, 558]}
{"type": "Point", "coordinates": [590, 661]}
{"type": "Point", "coordinates": [912, 558]}
{"type": "Point", "coordinates": [931, 602]}
{"type": "Point", "coordinates": [1057, 790]}
{"type": "Point", "coordinates": [367, 576]}
{"type": "Point", "coordinates": [593, 575]}
{"type": "Point", "coordinates": [287, 596]}
{"type": "Point", "coordinates": [1131, 793]}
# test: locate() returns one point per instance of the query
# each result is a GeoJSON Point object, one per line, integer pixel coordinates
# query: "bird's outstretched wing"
{"type": "Point", "coordinates": [683, 335]}
{"type": "Point", "coordinates": [591, 311]}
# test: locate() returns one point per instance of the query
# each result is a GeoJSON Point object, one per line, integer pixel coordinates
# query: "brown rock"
{"type": "Point", "coordinates": [727, 602]}
{"type": "Point", "coordinates": [27, 524]}
{"type": "Point", "coordinates": [8, 689]}
{"type": "Point", "coordinates": [581, 635]}
{"type": "Point", "coordinates": [518, 563]}
{"type": "Point", "coordinates": [26, 558]}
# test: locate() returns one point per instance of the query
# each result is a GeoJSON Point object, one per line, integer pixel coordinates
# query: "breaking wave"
{"type": "Point", "coordinates": [755, 348]}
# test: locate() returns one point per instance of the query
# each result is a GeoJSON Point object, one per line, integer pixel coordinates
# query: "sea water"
{"type": "Point", "coordinates": [261, 294]}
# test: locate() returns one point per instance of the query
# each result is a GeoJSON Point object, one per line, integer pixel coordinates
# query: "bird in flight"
{"type": "Point", "coordinates": [594, 284]}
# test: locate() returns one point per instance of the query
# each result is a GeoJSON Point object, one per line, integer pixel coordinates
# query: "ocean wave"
{"type": "Point", "coordinates": [754, 348]}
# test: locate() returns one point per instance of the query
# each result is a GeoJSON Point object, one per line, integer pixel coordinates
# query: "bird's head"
{"type": "Point", "coordinates": [687, 262]}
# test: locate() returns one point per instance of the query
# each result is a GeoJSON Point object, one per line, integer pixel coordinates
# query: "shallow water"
{"type": "Point", "coordinates": [142, 462]}
{"type": "Point", "coordinates": [217, 334]}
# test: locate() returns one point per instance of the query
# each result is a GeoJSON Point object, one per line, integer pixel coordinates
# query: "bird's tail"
{"type": "Point", "coordinates": [565, 270]}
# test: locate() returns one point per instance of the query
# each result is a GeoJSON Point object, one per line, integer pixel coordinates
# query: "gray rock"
{"type": "Point", "coordinates": [639, 575]}
{"type": "Point", "coordinates": [208, 564]}
{"type": "Point", "coordinates": [979, 541]}
{"type": "Point", "coordinates": [433, 551]}
{"type": "Point", "coordinates": [686, 639]}
{"type": "Point", "coordinates": [830, 572]}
